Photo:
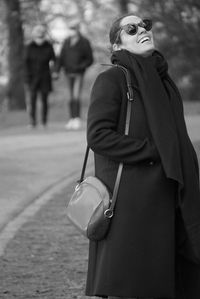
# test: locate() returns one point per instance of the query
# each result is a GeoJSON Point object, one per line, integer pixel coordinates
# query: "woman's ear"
{"type": "Point", "coordinates": [116, 47]}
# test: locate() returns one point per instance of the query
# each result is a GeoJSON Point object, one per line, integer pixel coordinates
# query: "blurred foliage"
{"type": "Point", "coordinates": [176, 30]}
{"type": "Point", "coordinates": [177, 24]}
{"type": "Point", "coordinates": [3, 45]}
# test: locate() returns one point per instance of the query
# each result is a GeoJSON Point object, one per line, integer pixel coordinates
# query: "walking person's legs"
{"type": "Point", "coordinates": [77, 92]}
{"type": "Point", "coordinates": [33, 108]}
{"type": "Point", "coordinates": [70, 83]}
{"type": "Point", "coordinates": [75, 83]}
{"type": "Point", "coordinates": [45, 108]}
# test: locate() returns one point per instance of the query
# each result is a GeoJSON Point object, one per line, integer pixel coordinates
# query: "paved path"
{"type": "Point", "coordinates": [35, 166]}
{"type": "Point", "coordinates": [32, 161]}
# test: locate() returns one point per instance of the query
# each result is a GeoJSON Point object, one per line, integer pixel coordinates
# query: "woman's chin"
{"type": "Point", "coordinates": [148, 51]}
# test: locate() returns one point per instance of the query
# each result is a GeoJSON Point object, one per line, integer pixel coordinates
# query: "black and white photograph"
{"type": "Point", "coordinates": [99, 149]}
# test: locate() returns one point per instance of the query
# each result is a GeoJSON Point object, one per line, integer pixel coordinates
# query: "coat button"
{"type": "Point", "coordinates": [151, 163]}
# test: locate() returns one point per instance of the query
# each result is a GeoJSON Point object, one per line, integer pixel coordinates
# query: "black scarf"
{"type": "Point", "coordinates": [164, 110]}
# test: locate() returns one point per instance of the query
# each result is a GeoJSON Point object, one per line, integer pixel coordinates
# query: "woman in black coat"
{"type": "Point", "coordinates": [39, 53]}
{"type": "Point", "coordinates": [153, 240]}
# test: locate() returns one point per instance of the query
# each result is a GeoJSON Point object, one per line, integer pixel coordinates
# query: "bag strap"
{"type": "Point", "coordinates": [109, 212]}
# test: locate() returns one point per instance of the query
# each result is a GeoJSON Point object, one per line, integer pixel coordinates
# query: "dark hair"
{"type": "Point", "coordinates": [115, 27]}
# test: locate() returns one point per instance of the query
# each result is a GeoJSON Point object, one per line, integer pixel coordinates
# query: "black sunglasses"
{"type": "Point", "coordinates": [132, 29]}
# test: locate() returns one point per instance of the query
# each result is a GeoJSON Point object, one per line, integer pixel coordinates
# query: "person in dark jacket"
{"type": "Point", "coordinates": [152, 249]}
{"type": "Point", "coordinates": [75, 57]}
{"type": "Point", "coordinates": [38, 56]}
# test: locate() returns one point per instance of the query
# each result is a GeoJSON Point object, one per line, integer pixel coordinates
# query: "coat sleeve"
{"type": "Point", "coordinates": [52, 58]}
{"type": "Point", "coordinates": [87, 55]}
{"type": "Point", "coordinates": [102, 135]}
{"type": "Point", "coordinates": [52, 53]}
{"type": "Point", "coordinates": [27, 64]}
{"type": "Point", "coordinates": [61, 58]}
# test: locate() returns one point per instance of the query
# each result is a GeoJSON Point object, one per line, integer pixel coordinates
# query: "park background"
{"type": "Point", "coordinates": [41, 254]}
{"type": "Point", "coordinates": [176, 31]}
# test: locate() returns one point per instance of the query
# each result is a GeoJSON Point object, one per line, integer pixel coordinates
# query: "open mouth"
{"type": "Point", "coordinates": [144, 39]}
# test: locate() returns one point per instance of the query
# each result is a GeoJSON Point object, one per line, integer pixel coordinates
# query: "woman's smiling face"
{"type": "Point", "coordinates": [141, 43]}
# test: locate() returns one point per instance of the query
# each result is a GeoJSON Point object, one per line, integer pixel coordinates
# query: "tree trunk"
{"type": "Point", "coordinates": [16, 93]}
{"type": "Point", "coordinates": [123, 6]}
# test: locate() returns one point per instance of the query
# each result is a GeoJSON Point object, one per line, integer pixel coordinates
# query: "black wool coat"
{"type": "Point", "coordinates": [75, 58]}
{"type": "Point", "coordinates": [37, 68]}
{"type": "Point", "coordinates": [137, 258]}
{"type": "Point", "coordinates": [140, 256]}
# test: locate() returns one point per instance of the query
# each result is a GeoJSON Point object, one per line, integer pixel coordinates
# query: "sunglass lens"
{"type": "Point", "coordinates": [147, 24]}
{"type": "Point", "coordinates": [131, 29]}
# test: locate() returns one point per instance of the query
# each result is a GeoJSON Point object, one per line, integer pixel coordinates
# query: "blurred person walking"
{"type": "Point", "coordinates": [152, 249]}
{"type": "Point", "coordinates": [38, 56]}
{"type": "Point", "coordinates": [75, 57]}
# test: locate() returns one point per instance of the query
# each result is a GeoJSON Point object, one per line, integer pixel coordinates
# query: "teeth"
{"type": "Point", "coordinates": [144, 39]}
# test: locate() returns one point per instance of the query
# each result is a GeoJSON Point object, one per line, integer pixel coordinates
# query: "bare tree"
{"type": "Point", "coordinates": [16, 92]}
{"type": "Point", "coordinates": [123, 6]}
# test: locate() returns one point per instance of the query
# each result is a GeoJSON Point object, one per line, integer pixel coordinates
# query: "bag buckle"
{"type": "Point", "coordinates": [130, 98]}
{"type": "Point", "coordinates": [77, 186]}
{"type": "Point", "coordinates": [108, 213]}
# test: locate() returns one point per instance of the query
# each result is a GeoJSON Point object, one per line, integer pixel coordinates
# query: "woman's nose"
{"type": "Point", "coordinates": [141, 30]}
